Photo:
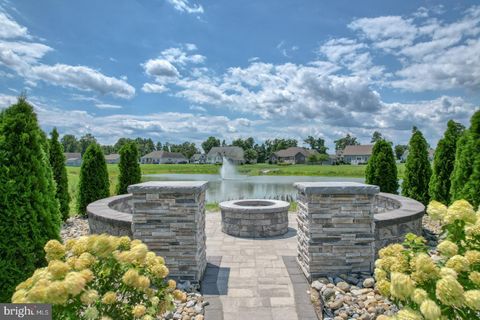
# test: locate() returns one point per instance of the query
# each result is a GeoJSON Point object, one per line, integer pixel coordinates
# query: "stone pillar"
{"type": "Point", "coordinates": [335, 228]}
{"type": "Point", "coordinates": [169, 217]}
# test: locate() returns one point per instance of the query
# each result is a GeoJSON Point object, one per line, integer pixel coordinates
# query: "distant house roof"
{"type": "Point", "coordinates": [72, 155]}
{"type": "Point", "coordinates": [358, 150]}
{"type": "Point", "coordinates": [197, 156]}
{"type": "Point", "coordinates": [233, 153]}
{"type": "Point", "coordinates": [293, 151]}
{"type": "Point", "coordinates": [113, 156]}
{"type": "Point", "coordinates": [164, 154]}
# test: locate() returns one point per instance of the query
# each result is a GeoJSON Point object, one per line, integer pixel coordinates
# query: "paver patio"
{"type": "Point", "coordinates": [254, 278]}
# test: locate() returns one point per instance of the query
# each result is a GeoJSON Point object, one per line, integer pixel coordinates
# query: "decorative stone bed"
{"type": "Point", "coordinates": [254, 218]}
{"type": "Point", "coordinates": [395, 217]}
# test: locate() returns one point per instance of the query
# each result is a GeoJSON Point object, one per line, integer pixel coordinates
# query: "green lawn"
{"type": "Point", "coordinates": [248, 169]}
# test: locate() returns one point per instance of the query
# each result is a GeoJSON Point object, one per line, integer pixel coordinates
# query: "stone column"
{"type": "Point", "coordinates": [169, 217]}
{"type": "Point", "coordinates": [335, 228]}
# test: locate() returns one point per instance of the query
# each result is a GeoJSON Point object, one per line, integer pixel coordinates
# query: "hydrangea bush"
{"type": "Point", "coordinates": [101, 277]}
{"type": "Point", "coordinates": [443, 286]}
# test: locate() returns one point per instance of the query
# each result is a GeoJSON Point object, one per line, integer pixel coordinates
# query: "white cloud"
{"type": "Point", "coordinates": [185, 6]}
{"type": "Point", "coordinates": [107, 106]}
{"type": "Point", "coordinates": [178, 56]}
{"type": "Point", "coordinates": [83, 78]}
{"type": "Point", "coordinates": [160, 68]}
{"type": "Point", "coordinates": [154, 88]}
{"type": "Point", "coordinates": [7, 100]}
{"type": "Point", "coordinates": [198, 108]}
{"type": "Point", "coordinates": [24, 58]}
{"type": "Point", "coordinates": [9, 28]}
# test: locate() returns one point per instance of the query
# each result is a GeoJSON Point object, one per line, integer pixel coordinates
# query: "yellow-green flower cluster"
{"type": "Point", "coordinates": [460, 210]}
{"type": "Point", "coordinates": [447, 248]}
{"type": "Point", "coordinates": [436, 210]}
{"type": "Point", "coordinates": [392, 259]}
{"type": "Point", "coordinates": [424, 269]}
{"type": "Point", "coordinates": [83, 276]}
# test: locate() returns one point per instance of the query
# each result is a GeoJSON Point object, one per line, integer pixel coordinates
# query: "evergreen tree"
{"type": "Point", "coordinates": [382, 169]}
{"type": "Point", "coordinates": [57, 161]}
{"type": "Point", "coordinates": [466, 172]}
{"type": "Point", "coordinates": [472, 188]}
{"type": "Point", "coordinates": [129, 168]}
{"type": "Point", "coordinates": [94, 183]}
{"type": "Point", "coordinates": [29, 211]}
{"type": "Point", "coordinates": [417, 169]}
{"type": "Point", "coordinates": [444, 160]}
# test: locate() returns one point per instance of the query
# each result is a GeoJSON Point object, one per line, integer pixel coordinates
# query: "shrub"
{"type": "Point", "coordinates": [29, 214]}
{"type": "Point", "coordinates": [101, 276]}
{"type": "Point", "coordinates": [382, 169]}
{"type": "Point", "coordinates": [129, 167]}
{"type": "Point", "coordinates": [57, 161]}
{"type": "Point", "coordinates": [442, 288]}
{"type": "Point", "coordinates": [93, 184]}
{"type": "Point", "coordinates": [440, 183]}
{"type": "Point", "coordinates": [417, 169]}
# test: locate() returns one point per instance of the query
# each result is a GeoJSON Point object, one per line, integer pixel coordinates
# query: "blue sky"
{"type": "Point", "coordinates": [177, 70]}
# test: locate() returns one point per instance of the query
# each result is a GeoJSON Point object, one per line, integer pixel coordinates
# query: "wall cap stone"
{"type": "Point", "coordinates": [169, 187]}
{"type": "Point", "coordinates": [336, 188]}
{"type": "Point", "coordinates": [101, 210]}
{"type": "Point", "coordinates": [409, 210]}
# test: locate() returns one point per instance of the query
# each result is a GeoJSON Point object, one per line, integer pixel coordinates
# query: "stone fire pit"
{"type": "Point", "coordinates": [254, 218]}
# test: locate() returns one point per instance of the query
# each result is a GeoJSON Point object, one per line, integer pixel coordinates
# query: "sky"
{"type": "Point", "coordinates": [183, 70]}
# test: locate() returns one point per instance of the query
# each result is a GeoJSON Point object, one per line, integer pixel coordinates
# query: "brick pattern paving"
{"type": "Point", "coordinates": [253, 278]}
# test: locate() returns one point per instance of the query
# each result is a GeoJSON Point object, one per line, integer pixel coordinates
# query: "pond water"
{"type": "Point", "coordinates": [243, 187]}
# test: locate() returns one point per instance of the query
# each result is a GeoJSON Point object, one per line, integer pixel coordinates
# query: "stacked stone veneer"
{"type": "Point", "coordinates": [170, 218]}
{"type": "Point", "coordinates": [336, 228]}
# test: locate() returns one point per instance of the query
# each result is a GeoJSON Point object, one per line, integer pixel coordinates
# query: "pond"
{"type": "Point", "coordinates": [243, 187]}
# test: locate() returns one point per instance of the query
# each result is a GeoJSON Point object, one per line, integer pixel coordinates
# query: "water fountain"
{"type": "Point", "coordinates": [228, 171]}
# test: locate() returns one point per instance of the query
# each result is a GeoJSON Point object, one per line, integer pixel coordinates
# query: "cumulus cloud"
{"type": "Point", "coordinates": [24, 57]}
{"type": "Point", "coordinates": [83, 78]}
{"type": "Point", "coordinates": [160, 68]}
{"type": "Point", "coordinates": [185, 6]}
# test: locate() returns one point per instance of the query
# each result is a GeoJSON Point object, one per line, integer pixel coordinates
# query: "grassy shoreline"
{"type": "Point", "coordinates": [248, 169]}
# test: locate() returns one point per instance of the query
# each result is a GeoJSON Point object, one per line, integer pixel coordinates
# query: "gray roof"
{"type": "Point", "coordinates": [164, 154]}
{"type": "Point", "coordinates": [72, 155]}
{"type": "Point", "coordinates": [233, 153]}
{"type": "Point", "coordinates": [113, 156]}
{"type": "Point", "coordinates": [358, 150]}
{"type": "Point", "coordinates": [293, 151]}
{"type": "Point", "coordinates": [197, 156]}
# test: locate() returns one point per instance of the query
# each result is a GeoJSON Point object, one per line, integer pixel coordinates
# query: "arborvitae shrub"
{"type": "Point", "coordinates": [440, 183]}
{"type": "Point", "coordinates": [466, 175]}
{"type": "Point", "coordinates": [417, 169]}
{"type": "Point", "coordinates": [57, 161]}
{"type": "Point", "coordinates": [93, 184]}
{"type": "Point", "coordinates": [29, 211]}
{"type": "Point", "coordinates": [382, 169]}
{"type": "Point", "coordinates": [129, 167]}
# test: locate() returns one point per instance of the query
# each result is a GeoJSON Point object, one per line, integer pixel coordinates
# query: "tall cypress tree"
{"type": "Point", "coordinates": [29, 211]}
{"type": "Point", "coordinates": [57, 161]}
{"type": "Point", "coordinates": [466, 172]}
{"type": "Point", "coordinates": [94, 183]}
{"type": "Point", "coordinates": [440, 183]}
{"type": "Point", "coordinates": [382, 169]}
{"type": "Point", "coordinates": [417, 169]}
{"type": "Point", "coordinates": [129, 167]}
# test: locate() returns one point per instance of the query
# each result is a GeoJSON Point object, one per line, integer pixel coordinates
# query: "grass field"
{"type": "Point", "coordinates": [248, 169]}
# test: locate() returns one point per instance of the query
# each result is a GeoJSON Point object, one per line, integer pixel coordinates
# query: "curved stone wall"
{"type": "Point", "coordinates": [111, 215]}
{"type": "Point", "coordinates": [396, 216]}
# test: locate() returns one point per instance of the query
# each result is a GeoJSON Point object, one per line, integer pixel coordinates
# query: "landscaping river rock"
{"type": "Point", "coordinates": [192, 309]}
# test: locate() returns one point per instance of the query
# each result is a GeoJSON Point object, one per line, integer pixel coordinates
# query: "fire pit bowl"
{"type": "Point", "coordinates": [254, 218]}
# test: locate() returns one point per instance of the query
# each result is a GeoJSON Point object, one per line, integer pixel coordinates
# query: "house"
{"type": "Point", "coordinates": [112, 158]}
{"type": "Point", "coordinates": [198, 158]}
{"type": "Point", "coordinates": [73, 159]}
{"type": "Point", "coordinates": [357, 154]}
{"type": "Point", "coordinates": [431, 155]}
{"type": "Point", "coordinates": [293, 155]}
{"type": "Point", "coordinates": [234, 155]}
{"type": "Point", "coordinates": [159, 157]}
